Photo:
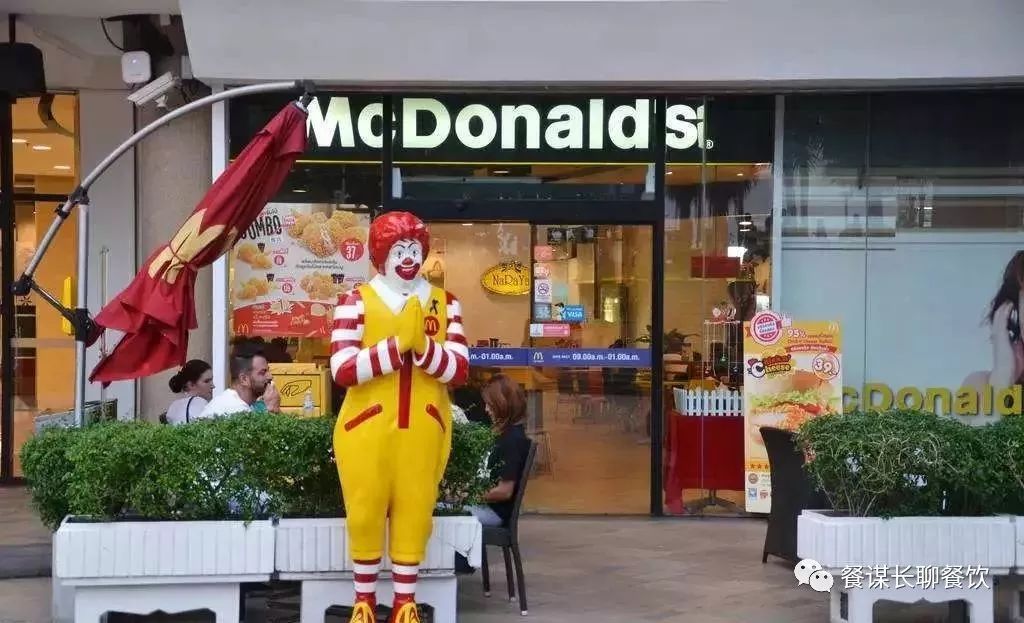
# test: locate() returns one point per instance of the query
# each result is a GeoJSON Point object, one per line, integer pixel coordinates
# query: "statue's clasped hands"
{"type": "Point", "coordinates": [411, 334]}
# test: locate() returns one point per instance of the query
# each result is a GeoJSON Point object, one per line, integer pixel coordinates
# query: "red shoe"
{"type": "Point", "coordinates": [404, 612]}
{"type": "Point", "coordinates": [364, 610]}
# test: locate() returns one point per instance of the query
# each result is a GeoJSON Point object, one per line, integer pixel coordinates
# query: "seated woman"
{"type": "Point", "coordinates": [195, 384]}
{"type": "Point", "coordinates": [505, 403]}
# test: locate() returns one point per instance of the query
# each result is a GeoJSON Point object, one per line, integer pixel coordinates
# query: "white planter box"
{"type": "Point", "coordinates": [315, 552]}
{"type": "Point", "coordinates": [907, 543]}
{"type": "Point", "coordinates": [1016, 581]}
{"type": "Point", "coordinates": [838, 542]}
{"type": "Point", "coordinates": [142, 567]}
{"type": "Point", "coordinates": [163, 549]}
{"type": "Point", "coordinates": [321, 545]}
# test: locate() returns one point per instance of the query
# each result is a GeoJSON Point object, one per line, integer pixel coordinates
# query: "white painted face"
{"type": "Point", "coordinates": [404, 260]}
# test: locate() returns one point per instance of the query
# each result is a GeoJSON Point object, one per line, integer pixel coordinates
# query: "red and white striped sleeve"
{"type": "Point", "coordinates": [351, 364]}
{"type": "Point", "coordinates": [448, 362]}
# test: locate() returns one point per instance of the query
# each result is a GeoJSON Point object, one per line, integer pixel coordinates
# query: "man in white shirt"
{"type": "Point", "coordinates": [250, 380]}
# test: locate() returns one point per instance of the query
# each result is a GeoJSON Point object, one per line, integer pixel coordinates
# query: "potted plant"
{"type": "Point", "coordinates": [912, 490]}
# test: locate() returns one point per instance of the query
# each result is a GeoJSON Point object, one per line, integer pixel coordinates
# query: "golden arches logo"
{"type": "Point", "coordinates": [296, 388]}
{"type": "Point", "coordinates": [186, 245]}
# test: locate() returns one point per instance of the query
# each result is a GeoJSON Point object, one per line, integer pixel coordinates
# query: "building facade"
{"type": "Point", "coordinates": [610, 213]}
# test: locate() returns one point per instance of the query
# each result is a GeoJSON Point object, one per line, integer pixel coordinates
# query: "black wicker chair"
{"type": "Point", "coordinates": [507, 538]}
{"type": "Point", "coordinates": [792, 492]}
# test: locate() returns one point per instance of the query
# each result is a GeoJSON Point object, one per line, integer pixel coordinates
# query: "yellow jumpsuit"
{"type": "Point", "coordinates": [391, 444]}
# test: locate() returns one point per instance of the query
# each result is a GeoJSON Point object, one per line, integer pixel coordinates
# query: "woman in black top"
{"type": "Point", "coordinates": [505, 403]}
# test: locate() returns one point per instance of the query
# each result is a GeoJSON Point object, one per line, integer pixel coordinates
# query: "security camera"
{"type": "Point", "coordinates": [156, 89]}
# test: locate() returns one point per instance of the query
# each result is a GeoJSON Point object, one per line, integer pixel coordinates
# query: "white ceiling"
{"type": "Point", "coordinates": [89, 8]}
{"type": "Point", "coordinates": [28, 128]}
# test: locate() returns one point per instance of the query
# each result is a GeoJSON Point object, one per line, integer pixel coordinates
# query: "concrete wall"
{"type": "Point", "coordinates": [619, 42]}
{"type": "Point", "coordinates": [76, 54]}
{"type": "Point", "coordinates": [173, 174]}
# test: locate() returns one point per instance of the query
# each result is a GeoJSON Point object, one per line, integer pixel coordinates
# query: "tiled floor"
{"type": "Point", "coordinates": [24, 542]}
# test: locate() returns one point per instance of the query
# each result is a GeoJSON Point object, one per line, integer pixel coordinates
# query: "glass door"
{"type": "Point", "coordinates": [565, 310]}
{"type": "Point", "coordinates": [38, 343]}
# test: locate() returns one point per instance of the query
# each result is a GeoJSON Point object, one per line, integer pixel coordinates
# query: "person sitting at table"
{"type": "Point", "coordinates": [505, 403]}
{"type": "Point", "coordinates": [194, 384]}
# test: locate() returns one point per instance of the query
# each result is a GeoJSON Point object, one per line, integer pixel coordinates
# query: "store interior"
{"type": "Point", "coordinates": [45, 170]}
{"type": "Point", "coordinates": [593, 424]}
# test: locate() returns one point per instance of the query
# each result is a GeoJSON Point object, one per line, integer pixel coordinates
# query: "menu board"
{"type": "Point", "coordinates": [292, 263]}
{"type": "Point", "coordinates": [792, 372]}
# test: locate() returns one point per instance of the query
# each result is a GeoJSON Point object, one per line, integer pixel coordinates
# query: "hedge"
{"type": "Point", "coordinates": [914, 463]}
{"type": "Point", "coordinates": [242, 467]}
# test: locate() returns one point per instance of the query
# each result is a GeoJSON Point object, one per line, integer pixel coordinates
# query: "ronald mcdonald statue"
{"type": "Point", "coordinates": [397, 344]}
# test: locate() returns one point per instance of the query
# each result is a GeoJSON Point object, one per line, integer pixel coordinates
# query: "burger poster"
{"type": "Point", "coordinates": [793, 371]}
{"type": "Point", "coordinates": [291, 264]}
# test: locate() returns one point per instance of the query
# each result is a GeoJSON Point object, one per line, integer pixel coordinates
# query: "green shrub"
{"type": "Point", "coordinates": [913, 463]}
{"type": "Point", "coordinates": [466, 479]}
{"type": "Point", "coordinates": [899, 463]}
{"type": "Point", "coordinates": [247, 466]}
{"type": "Point", "coordinates": [45, 462]}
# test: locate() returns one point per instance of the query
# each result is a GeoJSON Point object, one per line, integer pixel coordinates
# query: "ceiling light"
{"type": "Point", "coordinates": [62, 167]}
{"type": "Point", "coordinates": [739, 175]}
{"type": "Point", "coordinates": [744, 229]}
{"type": "Point", "coordinates": [928, 208]}
{"type": "Point", "coordinates": [18, 141]}
{"type": "Point", "coordinates": [41, 147]}
{"type": "Point", "coordinates": [500, 171]}
{"type": "Point", "coordinates": [669, 172]}
{"type": "Point", "coordinates": [298, 190]}
{"type": "Point", "coordinates": [467, 224]}
{"type": "Point", "coordinates": [745, 221]}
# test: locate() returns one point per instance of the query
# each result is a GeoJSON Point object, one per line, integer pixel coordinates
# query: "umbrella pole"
{"type": "Point", "coordinates": [81, 311]}
{"type": "Point", "coordinates": [79, 317]}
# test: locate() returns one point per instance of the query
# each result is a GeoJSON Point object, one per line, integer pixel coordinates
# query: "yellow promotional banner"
{"type": "Point", "coordinates": [792, 372]}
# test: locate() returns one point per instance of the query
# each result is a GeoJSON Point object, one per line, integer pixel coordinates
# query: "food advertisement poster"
{"type": "Point", "coordinates": [792, 372]}
{"type": "Point", "coordinates": [290, 266]}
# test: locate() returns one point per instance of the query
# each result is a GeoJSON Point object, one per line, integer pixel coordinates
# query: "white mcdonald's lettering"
{"type": "Point", "coordinates": [477, 126]}
{"type": "Point", "coordinates": [685, 126]}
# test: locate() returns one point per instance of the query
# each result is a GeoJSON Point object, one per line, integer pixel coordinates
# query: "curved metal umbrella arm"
{"type": "Point", "coordinates": [82, 324]}
{"type": "Point", "coordinates": [80, 194]}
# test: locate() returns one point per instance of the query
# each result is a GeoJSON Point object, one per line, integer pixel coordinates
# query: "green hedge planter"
{"type": "Point", "coordinates": [243, 467]}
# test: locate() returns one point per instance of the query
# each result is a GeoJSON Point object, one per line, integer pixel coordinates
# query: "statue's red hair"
{"type": "Point", "coordinates": [389, 228]}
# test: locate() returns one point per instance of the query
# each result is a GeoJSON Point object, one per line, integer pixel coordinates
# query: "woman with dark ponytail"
{"type": "Point", "coordinates": [195, 384]}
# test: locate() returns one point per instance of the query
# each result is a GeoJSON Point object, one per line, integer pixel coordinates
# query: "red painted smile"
{"type": "Point", "coordinates": [407, 271]}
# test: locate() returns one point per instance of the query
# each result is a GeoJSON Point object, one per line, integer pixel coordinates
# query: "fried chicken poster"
{"type": "Point", "coordinates": [290, 265]}
{"type": "Point", "coordinates": [792, 372]}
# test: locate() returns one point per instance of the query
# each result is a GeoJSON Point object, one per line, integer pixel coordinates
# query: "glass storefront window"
{"type": "Point", "coordinates": [718, 255]}
{"type": "Point", "coordinates": [948, 161]}
{"type": "Point", "coordinates": [532, 291]}
{"type": "Point", "coordinates": [308, 245]}
{"type": "Point", "coordinates": [45, 169]}
{"type": "Point", "coordinates": [903, 216]}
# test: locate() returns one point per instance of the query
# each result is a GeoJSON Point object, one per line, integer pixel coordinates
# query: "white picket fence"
{"type": "Point", "coordinates": [716, 402]}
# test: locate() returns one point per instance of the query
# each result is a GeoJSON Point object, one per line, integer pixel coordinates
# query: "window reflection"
{"type": "Point", "coordinates": [877, 164]}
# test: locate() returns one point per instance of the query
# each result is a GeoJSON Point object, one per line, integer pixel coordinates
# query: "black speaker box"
{"type": "Point", "coordinates": [21, 70]}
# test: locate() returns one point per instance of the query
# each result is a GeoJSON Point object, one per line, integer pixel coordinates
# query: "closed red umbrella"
{"type": "Point", "coordinates": [157, 310]}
